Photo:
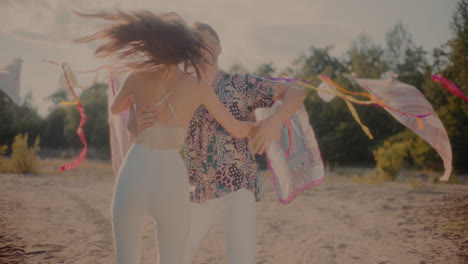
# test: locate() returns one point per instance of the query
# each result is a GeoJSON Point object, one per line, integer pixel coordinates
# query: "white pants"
{"type": "Point", "coordinates": [236, 214]}
{"type": "Point", "coordinates": [151, 182]}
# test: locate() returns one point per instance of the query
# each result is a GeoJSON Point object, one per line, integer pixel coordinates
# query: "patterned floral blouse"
{"type": "Point", "coordinates": [217, 162]}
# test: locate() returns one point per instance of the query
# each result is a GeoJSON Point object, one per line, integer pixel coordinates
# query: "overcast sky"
{"type": "Point", "coordinates": [252, 32]}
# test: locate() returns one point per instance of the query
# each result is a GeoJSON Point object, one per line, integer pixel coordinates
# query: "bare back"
{"type": "Point", "coordinates": [176, 98]}
{"type": "Point", "coordinates": [183, 95]}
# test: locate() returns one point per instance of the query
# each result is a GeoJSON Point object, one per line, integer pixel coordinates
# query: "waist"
{"type": "Point", "coordinates": [162, 137]}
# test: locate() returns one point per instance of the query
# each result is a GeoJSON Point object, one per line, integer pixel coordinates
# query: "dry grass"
{"type": "Point", "coordinates": [368, 179]}
{"type": "Point", "coordinates": [87, 167]}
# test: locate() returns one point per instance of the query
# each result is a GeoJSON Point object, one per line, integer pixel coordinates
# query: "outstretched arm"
{"type": "Point", "coordinates": [209, 99]}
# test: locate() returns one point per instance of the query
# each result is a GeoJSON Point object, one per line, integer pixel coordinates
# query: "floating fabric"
{"type": "Point", "coordinates": [10, 75]}
{"type": "Point", "coordinates": [334, 88]}
{"type": "Point", "coordinates": [294, 161]}
{"type": "Point", "coordinates": [326, 92]}
{"type": "Point", "coordinates": [408, 99]}
{"type": "Point", "coordinates": [74, 82]}
{"type": "Point", "coordinates": [450, 86]}
{"type": "Point", "coordinates": [119, 136]}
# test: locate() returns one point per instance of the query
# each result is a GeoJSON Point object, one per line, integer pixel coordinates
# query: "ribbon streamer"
{"type": "Point", "coordinates": [449, 85]}
{"type": "Point", "coordinates": [68, 103]}
{"type": "Point", "coordinates": [75, 83]}
{"type": "Point", "coordinates": [81, 134]}
{"type": "Point", "coordinates": [373, 100]}
{"type": "Point", "coordinates": [79, 131]}
{"type": "Point", "coordinates": [347, 99]}
{"type": "Point", "coordinates": [345, 95]}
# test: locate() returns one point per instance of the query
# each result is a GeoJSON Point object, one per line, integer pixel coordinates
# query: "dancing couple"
{"type": "Point", "coordinates": [182, 100]}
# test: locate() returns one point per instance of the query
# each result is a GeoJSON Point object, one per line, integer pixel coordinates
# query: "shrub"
{"type": "Point", "coordinates": [24, 159]}
{"type": "Point", "coordinates": [407, 150]}
{"type": "Point", "coordinates": [4, 164]}
{"type": "Point", "coordinates": [390, 158]}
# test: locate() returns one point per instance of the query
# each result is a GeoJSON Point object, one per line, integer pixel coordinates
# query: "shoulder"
{"type": "Point", "coordinates": [133, 78]}
{"type": "Point", "coordinates": [140, 79]}
{"type": "Point", "coordinates": [190, 79]}
{"type": "Point", "coordinates": [239, 76]}
{"type": "Point", "coordinates": [191, 82]}
{"type": "Point", "coordinates": [246, 78]}
{"type": "Point", "coordinates": [238, 80]}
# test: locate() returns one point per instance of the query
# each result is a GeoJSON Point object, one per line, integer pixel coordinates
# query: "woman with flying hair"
{"type": "Point", "coordinates": [153, 47]}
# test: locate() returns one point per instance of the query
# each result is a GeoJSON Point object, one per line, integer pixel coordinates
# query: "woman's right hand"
{"type": "Point", "coordinates": [143, 118]}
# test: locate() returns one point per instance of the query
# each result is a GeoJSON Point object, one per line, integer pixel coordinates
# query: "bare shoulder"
{"type": "Point", "coordinates": [191, 82]}
{"type": "Point", "coordinates": [137, 79]}
{"type": "Point", "coordinates": [130, 81]}
{"type": "Point", "coordinates": [134, 77]}
{"type": "Point", "coordinates": [190, 79]}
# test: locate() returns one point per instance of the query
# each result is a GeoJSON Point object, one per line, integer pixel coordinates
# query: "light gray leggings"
{"type": "Point", "coordinates": [235, 213]}
{"type": "Point", "coordinates": [151, 182]}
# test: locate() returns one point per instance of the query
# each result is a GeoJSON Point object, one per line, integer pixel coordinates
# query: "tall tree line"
{"type": "Point", "coordinates": [341, 139]}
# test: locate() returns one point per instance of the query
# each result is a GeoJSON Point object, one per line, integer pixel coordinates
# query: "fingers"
{"type": "Point", "coordinates": [146, 119]}
{"type": "Point", "coordinates": [143, 127]}
{"type": "Point", "coordinates": [147, 114]}
{"type": "Point", "coordinates": [145, 123]}
{"type": "Point", "coordinates": [265, 145]}
{"type": "Point", "coordinates": [259, 146]}
{"type": "Point", "coordinates": [147, 109]}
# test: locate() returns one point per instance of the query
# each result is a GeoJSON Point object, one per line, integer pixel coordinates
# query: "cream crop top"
{"type": "Point", "coordinates": [160, 136]}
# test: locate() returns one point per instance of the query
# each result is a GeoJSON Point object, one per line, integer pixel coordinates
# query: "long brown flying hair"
{"type": "Point", "coordinates": [157, 40]}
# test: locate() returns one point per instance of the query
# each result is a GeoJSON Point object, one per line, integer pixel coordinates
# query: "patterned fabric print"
{"type": "Point", "coordinates": [218, 163]}
{"type": "Point", "coordinates": [294, 161]}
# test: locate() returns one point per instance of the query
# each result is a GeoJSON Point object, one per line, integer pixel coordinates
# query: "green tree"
{"type": "Point", "coordinates": [97, 128]}
{"type": "Point", "coordinates": [265, 70]}
{"type": "Point", "coordinates": [62, 121]}
{"type": "Point", "coordinates": [404, 57]}
{"type": "Point", "coordinates": [237, 67]}
{"type": "Point", "coordinates": [340, 138]}
{"type": "Point", "coordinates": [18, 119]}
{"type": "Point", "coordinates": [452, 61]}
{"type": "Point", "coordinates": [366, 58]}
{"type": "Point", "coordinates": [457, 71]}
{"type": "Point", "coordinates": [54, 129]}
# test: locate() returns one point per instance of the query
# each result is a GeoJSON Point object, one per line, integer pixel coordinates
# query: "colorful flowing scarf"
{"type": "Point", "coordinates": [411, 104]}
{"type": "Point", "coordinates": [119, 137]}
{"type": "Point", "coordinates": [10, 75]}
{"type": "Point", "coordinates": [294, 161]}
{"type": "Point", "coordinates": [450, 86]}
{"type": "Point", "coordinates": [71, 82]}
{"type": "Point", "coordinates": [79, 131]}
{"type": "Point", "coordinates": [328, 90]}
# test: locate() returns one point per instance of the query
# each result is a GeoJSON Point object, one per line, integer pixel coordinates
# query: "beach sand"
{"type": "Point", "coordinates": [65, 218]}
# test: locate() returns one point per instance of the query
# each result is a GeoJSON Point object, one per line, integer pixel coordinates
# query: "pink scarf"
{"type": "Point", "coordinates": [294, 161]}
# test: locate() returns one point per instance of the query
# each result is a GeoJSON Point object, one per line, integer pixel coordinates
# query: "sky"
{"type": "Point", "coordinates": [252, 32]}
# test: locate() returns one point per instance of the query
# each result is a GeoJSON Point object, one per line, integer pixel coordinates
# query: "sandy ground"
{"type": "Point", "coordinates": [65, 218]}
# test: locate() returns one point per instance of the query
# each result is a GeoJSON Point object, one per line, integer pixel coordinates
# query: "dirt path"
{"type": "Point", "coordinates": [66, 219]}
